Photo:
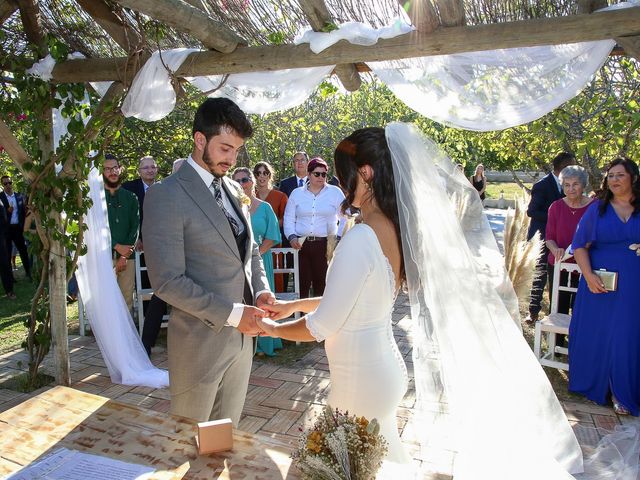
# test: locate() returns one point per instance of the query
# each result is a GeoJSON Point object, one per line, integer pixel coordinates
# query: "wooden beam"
{"type": "Point", "coordinates": [122, 33]}
{"type": "Point", "coordinates": [7, 7]}
{"type": "Point", "coordinates": [318, 15]}
{"type": "Point", "coordinates": [15, 151]}
{"type": "Point", "coordinates": [451, 12]}
{"type": "Point", "coordinates": [631, 45]}
{"type": "Point", "coordinates": [422, 14]}
{"type": "Point", "coordinates": [186, 18]}
{"type": "Point", "coordinates": [31, 22]}
{"type": "Point", "coordinates": [526, 33]}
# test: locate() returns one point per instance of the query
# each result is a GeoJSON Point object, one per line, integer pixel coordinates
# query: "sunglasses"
{"type": "Point", "coordinates": [243, 180]}
{"type": "Point", "coordinates": [7, 183]}
{"type": "Point", "coordinates": [319, 174]}
{"type": "Point", "coordinates": [263, 173]}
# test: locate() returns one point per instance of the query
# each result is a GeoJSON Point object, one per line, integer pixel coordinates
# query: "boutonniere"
{"type": "Point", "coordinates": [636, 247]}
{"type": "Point", "coordinates": [244, 200]}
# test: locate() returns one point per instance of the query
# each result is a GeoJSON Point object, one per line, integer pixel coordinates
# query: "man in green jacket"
{"type": "Point", "coordinates": [124, 223]}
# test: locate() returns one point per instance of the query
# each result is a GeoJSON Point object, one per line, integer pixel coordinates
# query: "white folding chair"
{"type": "Point", "coordinates": [285, 260]}
{"type": "Point", "coordinates": [556, 323]}
{"type": "Point", "coordinates": [143, 294]}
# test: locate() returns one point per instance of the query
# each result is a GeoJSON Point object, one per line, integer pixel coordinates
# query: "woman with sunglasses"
{"type": "Point", "coordinates": [263, 173]}
{"type": "Point", "coordinates": [266, 232]}
{"type": "Point", "coordinates": [312, 214]}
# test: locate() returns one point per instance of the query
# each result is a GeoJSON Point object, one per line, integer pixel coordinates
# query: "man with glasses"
{"type": "Point", "coordinates": [312, 214]}
{"type": "Point", "coordinates": [124, 222]}
{"type": "Point", "coordinates": [156, 308]}
{"type": "Point", "coordinates": [14, 206]}
{"type": "Point", "coordinates": [300, 161]}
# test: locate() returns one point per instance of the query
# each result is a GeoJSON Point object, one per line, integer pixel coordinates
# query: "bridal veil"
{"type": "Point", "coordinates": [481, 394]}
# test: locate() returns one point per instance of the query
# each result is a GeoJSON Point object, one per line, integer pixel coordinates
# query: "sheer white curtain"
{"type": "Point", "coordinates": [106, 309]}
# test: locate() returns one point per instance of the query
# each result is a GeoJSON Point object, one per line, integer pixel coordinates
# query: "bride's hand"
{"type": "Point", "coordinates": [267, 326]}
{"type": "Point", "coordinates": [279, 310]}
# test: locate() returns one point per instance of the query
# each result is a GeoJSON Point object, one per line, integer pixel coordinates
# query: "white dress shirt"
{"type": "Point", "coordinates": [207, 177]}
{"type": "Point", "coordinates": [318, 215]}
{"type": "Point", "coordinates": [14, 214]}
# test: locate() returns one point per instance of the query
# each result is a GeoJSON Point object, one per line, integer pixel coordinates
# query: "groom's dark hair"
{"type": "Point", "coordinates": [216, 114]}
{"type": "Point", "coordinates": [368, 146]}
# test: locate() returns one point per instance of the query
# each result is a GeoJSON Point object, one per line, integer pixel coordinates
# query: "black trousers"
{"type": "Point", "coordinates": [14, 234]}
{"type": "Point", "coordinates": [156, 309]}
{"type": "Point", "coordinates": [313, 267]}
{"type": "Point", "coordinates": [537, 289]}
{"type": "Point", "coordinates": [6, 275]}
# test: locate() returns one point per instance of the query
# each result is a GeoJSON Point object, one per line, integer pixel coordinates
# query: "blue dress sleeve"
{"type": "Point", "coordinates": [586, 232]}
{"type": "Point", "coordinates": [272, 230]}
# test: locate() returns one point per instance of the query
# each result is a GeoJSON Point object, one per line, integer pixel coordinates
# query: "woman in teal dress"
{"type": "Point", "coordinates": [266, 231]}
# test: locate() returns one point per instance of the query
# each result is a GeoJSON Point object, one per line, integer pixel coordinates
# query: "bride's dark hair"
{"type": "Point", "coordinates": [368, 146]}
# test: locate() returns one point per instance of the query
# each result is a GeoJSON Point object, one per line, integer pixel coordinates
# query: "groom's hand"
{"type": "Point", "coordinates": [248, 324]}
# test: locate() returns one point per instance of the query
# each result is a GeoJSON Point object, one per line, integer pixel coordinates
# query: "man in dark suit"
{"type": "Point", "coordinates": [300, 161]}
{"type": "Point", "coordinates": [156, 309]}
{"type": "Point", "coordinates": [6, 276]}
{"type": "Point", "coordinates": [543, 194]}
{"type": "Point", "coordinates": [14, 206]}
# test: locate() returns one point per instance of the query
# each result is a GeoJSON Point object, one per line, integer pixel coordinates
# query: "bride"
{"type": "Point", "coordinates": [480, 392]}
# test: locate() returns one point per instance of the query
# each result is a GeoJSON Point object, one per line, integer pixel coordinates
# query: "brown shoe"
{"type": "Point", "coordinates": [11, 296]}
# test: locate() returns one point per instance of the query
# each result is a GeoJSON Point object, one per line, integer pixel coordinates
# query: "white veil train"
{"type": "Point", "coordinates": [500, 415]}
{"type": "Point", "coordinates": [106, 309]}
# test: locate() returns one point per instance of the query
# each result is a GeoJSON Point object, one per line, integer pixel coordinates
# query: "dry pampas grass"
{"type": "Point", "coordinates": [520, 255]}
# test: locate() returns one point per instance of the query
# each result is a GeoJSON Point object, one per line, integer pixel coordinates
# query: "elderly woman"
{"type": "Point", "coordinates": [312, 214]}
{"type": "Point", "coordinates": [562, 221]}
{"type": "Point", "coordinates": [266, 232]}
{"type": "Point", "coordinates": [604, 346]}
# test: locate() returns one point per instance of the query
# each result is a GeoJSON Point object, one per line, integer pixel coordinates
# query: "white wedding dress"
{"type": "Point", "coordinates": [368, 375]}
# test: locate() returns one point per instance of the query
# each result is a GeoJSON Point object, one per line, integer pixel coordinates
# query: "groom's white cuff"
{"type": "Point", "coordinates": [236, 313]}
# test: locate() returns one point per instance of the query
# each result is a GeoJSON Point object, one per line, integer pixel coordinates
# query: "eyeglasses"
{"type": "Point", "coordinates": [299, 160]}
{"type": "Point", "coordinates": [616, 176]}
{"type": "Point", "coordinates": [7, 183]}
{"type": "Point", "coordinates": [152, 167]}
{"type": "Point", "coordinates": [319, 174]}
{"type": "Point", "coordinates": [263, 173]}
{"type": "Point", "coordinates": [111, 169]}
{"type": "Point", "coordinates": [243, 180]}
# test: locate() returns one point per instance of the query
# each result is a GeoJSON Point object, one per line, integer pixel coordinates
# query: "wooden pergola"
{"type": "Point", "coordinates": [235, 36]}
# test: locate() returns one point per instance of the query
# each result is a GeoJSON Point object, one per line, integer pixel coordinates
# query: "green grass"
{"type": "Point", "coordinates": [289, 354]}
{"type": "Point", "coordinates": [20, 383]}
{"type": "Point", "coordinates": [510, 190]}
{"type": "Point", "coordinates": [13, 314]}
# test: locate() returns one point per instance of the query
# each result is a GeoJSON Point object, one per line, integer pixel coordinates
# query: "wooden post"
{"type": "Point", "coordinates": [58, 305]}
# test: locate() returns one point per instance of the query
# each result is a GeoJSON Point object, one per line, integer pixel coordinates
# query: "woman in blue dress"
{"type": "Point", "coordinates": [604, 335]}
{"type": "Point", "coordinates": [266, 231]}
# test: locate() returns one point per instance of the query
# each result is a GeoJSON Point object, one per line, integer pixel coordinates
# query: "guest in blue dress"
{"type": "Point", "coordinates": [266, 232]}
{"type": "Point", "coordinates": [604, 335]}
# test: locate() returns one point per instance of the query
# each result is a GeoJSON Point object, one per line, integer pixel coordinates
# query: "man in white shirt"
{"type": "Point", "coordinates": [313, 213]}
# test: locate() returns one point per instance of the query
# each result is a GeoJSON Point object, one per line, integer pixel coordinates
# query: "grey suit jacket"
{"type": "Point", "coordinates": [194, 265]}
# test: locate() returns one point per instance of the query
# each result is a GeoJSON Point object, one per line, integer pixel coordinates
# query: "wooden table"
{"type": "Point", "coordinates": [64, 417]}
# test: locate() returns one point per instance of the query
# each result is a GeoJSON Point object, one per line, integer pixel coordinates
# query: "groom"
{"type": "Point", "coordinates": [202, 260]}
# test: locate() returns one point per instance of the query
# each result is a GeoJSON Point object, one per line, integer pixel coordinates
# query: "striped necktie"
{"type": "Point", "coordinates": [217, 190]}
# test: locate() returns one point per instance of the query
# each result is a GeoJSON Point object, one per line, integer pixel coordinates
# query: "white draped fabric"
{"type": "Point", "coordinates": [106, 309]}
{"type": "Point", "coordinates": [264, 92]}
{"type": "Point", "coordinates": [497, 89]}
{"type": "Point", "coordinates": [502, 417]}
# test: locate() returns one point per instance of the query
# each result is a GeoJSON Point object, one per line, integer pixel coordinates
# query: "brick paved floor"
{"type": "Point", "coordinates": [281, 399]}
